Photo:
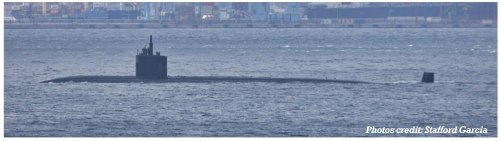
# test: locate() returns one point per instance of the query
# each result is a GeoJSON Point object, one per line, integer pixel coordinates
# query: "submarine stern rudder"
{"type": "Point", "coordinates": [149, 65]}
{"type": "Point", "coordinates": [428, 77]}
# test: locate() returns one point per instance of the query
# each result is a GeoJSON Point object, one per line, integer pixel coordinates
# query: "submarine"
{"type": "Point", "coordinates": [151, 67]}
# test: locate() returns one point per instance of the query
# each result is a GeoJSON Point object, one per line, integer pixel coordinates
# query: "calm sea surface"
{"type": "Point", "coordinates": [464, 61]}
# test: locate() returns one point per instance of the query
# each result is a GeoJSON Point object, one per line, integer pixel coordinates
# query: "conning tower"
{"type": "Point", "coordinates": [149, 65]}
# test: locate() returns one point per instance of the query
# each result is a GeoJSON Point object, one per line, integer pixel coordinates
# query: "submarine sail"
{"type": "Point", "coordinates": [149, 65]}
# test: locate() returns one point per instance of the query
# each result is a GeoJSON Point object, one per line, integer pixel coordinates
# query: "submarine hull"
{"type": "Point", "coordinates": [191, 79]}
{"type": "Point", "coordinates": [151, 66]}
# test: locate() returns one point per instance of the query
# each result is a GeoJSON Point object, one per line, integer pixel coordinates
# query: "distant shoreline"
{"type": "Point", "coordinates": [8, 25]}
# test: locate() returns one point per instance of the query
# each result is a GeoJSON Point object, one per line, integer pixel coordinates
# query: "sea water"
{"type": "Point", "coordinates": [463, 60]}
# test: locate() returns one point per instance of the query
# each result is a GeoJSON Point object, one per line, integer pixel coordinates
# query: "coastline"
{"type": "Point", "coordinates": [109, 25]}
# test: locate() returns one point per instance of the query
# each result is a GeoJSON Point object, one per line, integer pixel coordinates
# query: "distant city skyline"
{"type": "Point", "coordinates": [345, 14]}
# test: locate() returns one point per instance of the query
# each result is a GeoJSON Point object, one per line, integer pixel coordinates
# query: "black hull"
{"type": "Point", "coordinates": [191, 79]}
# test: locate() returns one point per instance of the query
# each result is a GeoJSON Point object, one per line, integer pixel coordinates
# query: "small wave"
{"type": "Point", "coordinates": [445, 82]}
{"type": "Point", "coordinates": [406, 82]}
{"type": "Point", "coordinates": [491, 82]}
{"type": "Point", "coordinates": [39, 62]}
{"type": "Point", "coordinates": [286, 46]}
{"type": "Point", "coordinates": [207, 46]}
{"type": "Point", "coordinates": [490, 51]}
